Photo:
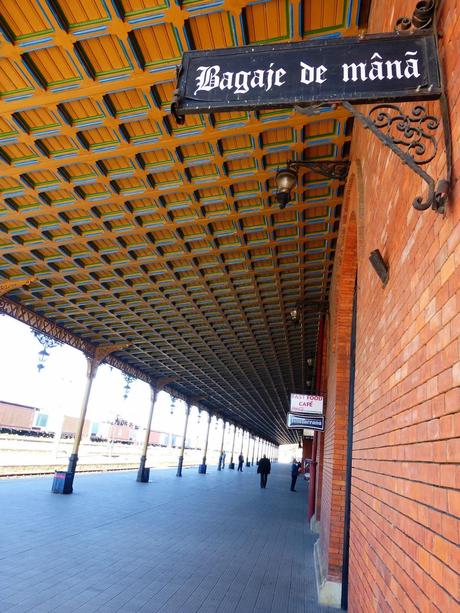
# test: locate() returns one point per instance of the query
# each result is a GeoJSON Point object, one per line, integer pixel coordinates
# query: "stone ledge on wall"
{"type": "Point", "coordinates": [329, 592]}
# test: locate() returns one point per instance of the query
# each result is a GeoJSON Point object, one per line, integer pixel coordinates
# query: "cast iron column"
{"type": "Point", "coordinates": [253, 449]}
{"type": "Point", "coordinates": [258, 449]}
{"type": "Point", "coordinates": [73, 458]}
{"type": "Point", "coordinates": [242, 441]}
{"type": "Point", "coordinates": [99, 356]}
{"type": "Point", "coordinates": [202, 467]}
{"type": "Point", "coordinates": [181, 457]}
{"type": "Point", "coordinates": [232, 464]}
{"type": "Point", "coordinates": [219, 467]}
{"type": "Point", "coordinates": [143, 473]}
{"type": "Point", "coordinates": [248, 463]}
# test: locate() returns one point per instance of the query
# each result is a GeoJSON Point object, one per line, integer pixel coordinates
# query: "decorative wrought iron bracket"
{"type": "Point", "coordinates": [332, 170]}
{"type": "Point", "coordinates": [101, 352]}
{"type": "Point", "coordinates": [415, 132]}
{"type": "Point", "coordinates": [178, 117]}
{"type": "Point", "coordinates": [411, 136]}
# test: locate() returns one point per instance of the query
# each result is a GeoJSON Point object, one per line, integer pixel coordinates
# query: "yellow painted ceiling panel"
{"type": "Point", "coordinates": [157, 44]}
{"type": "Point", "coordinates": [324, 15]}
{"type": "Point", "coordinates": [212, 31]}
{"type": "Point", "coordinates": [12, 79]}
{"type": "Point", "coordinates": [21, 18]}
{"type": "Point", "coordinates": [105, 55]}
{"type": "Point", "coordinates": [267, 21]}
{"type": "Point", "coordinates": [78, 13]}
{"type": "Point", "coordinates": [54, 65]}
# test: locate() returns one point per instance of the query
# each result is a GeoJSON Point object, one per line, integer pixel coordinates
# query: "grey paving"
{"type": "Point", "coordinates": [214, 543]}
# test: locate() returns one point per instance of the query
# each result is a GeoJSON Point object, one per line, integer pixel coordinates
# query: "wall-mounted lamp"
{"type": "Point", "coordinates": [286, 178]}
{"type": "Point", "coordinates": [295, 314]}
{"type": "Point", "coordinates": [379, 265]}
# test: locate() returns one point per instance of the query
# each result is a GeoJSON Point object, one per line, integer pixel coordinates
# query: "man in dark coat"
{"type": "Point", "coordinates": [294, 474]}
{"type": "Point", "coordinates": [240, 462]}
{"type": "Point", "coordinates": [264, 470]}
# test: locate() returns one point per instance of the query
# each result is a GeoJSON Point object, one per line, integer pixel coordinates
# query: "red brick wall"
{"type": "Point", "coordinates": [335, 438]}
{"type": "Point", "coordinates": [307, 444]}
{"type": "Point", "coordinates": [405, 510]}
{"type": "Point", "coordinates": [320, 442]}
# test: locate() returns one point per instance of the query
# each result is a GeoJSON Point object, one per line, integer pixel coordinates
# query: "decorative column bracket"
{"type": "Point", "coordinates": [101, 353]}
{"type": "Point", "coordinates": [415, 133]}
{"type": "Point", "coordinates": [162, 382]}
{"type": "Point", "coordinates": [11, 284]}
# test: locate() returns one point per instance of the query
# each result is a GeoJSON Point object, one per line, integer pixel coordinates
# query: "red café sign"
{"type": "Point", "coordinates": [306, 404]}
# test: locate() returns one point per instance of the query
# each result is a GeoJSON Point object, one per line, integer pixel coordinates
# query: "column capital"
{"type": "Point", "coordinates": [100, 353]}
{"type": "Point", "coordinates": [7, 286]}
{"type": "Point", "coordinates": [160, 383]}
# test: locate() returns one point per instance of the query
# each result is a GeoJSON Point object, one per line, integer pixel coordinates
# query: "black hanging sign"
{"type": "Point", "coordinates": [301, 422]}
{"type": "Point", "coordinates": [384, 67]}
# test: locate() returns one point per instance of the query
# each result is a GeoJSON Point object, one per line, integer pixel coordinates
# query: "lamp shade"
{"type": "Point", "coordinates": [285, 180]}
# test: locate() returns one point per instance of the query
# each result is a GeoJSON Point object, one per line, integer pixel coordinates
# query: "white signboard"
{"type": "Point", "coordinates": [302, 403]}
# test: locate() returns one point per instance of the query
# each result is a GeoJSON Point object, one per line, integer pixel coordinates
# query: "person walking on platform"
{"type": "Point", "coordinates": [240, 462]}
{"type": "Point", "coordinates": [295, 467]}
{"type": "Point", "coordinates": [263, 470]}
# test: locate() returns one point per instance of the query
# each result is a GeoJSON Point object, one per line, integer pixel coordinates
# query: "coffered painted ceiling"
{"type": "Point", "coordinates": [165, 236]}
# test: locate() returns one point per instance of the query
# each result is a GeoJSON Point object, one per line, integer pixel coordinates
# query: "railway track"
{"type": "Point", "coordinates": [10, 472]}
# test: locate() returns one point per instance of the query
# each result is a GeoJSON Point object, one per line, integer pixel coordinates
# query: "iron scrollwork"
{"type": "Point", "coordinates": [47, 342]}
{"type": "Point", "coordinates": [332, 170]}
{"type": "Point", "coordinates": [128, 380]}
{"type": "Point", "coordinates": [414, 131]}
{"type": "Point", "coordinates": [411, 138]}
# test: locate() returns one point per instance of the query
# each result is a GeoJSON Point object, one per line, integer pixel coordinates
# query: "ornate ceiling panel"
{"type": "Point", "coordinates": [167, 236]}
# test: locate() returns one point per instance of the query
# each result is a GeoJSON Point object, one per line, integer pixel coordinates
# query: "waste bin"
{"type": "Point", "coordinates": [232, 465]}
{"type": "Point", "coordinates": [62, 482]}
{"type": "Point", "coordinates": [201, 469]}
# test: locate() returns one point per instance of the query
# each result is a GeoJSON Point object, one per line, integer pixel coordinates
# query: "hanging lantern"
{"type": "Point", "coordinates": [199, 416]}
{"type": "Point", "coordinates": [128, 379]}
{"type": "Point", "coordinates": [47, 343]}
{"type": "Point", "coordinates": [173, 405]}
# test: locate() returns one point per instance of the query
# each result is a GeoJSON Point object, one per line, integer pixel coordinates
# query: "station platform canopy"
{"type": "Point", "coordinates": [131, 228]}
